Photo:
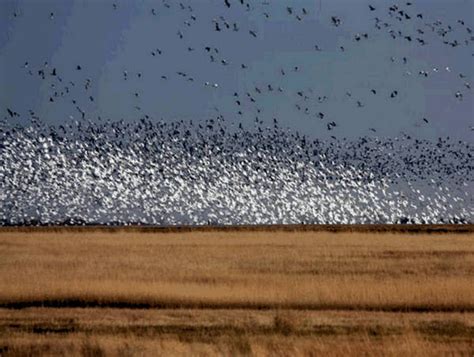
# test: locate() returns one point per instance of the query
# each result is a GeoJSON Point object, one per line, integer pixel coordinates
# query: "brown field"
{"type": "Point", "coordinates": [236, 292]}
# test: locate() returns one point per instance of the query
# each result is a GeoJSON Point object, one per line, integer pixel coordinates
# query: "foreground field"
{"type": "Point", "coordinates": [126, 292]}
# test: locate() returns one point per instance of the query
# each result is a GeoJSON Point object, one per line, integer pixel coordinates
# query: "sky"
{"type": "Point", "coordinates": [107, 41]}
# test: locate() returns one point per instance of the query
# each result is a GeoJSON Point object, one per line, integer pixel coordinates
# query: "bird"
{"type": "Point", "coordinates": [336, 21]}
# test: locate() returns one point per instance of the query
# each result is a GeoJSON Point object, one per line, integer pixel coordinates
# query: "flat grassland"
{"type": "Point", "coordinates": [262, 292]}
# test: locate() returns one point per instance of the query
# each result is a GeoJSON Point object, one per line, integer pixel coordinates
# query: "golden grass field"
{"type": "Point", "coordinates": [235, 292]}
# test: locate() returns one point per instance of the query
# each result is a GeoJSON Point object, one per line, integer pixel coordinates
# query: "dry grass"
{"type": "Point", "coordinates": [246, 292]}
{"type": "Point", "coordinates": [103, 331]}
{"type": "Point", "coordinates": [304, 270]}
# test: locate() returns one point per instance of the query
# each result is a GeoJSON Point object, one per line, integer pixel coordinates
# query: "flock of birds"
{"type": "Point", "coordinates": [93, 170]}
{"type": "Point", "coordinates": [163, 173]}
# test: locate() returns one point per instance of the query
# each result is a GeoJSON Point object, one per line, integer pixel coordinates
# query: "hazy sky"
{"type": "Point", "coordinates": [105, 42]}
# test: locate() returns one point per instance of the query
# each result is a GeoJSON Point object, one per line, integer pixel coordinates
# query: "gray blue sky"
{"type": "Point", "coordinates": [105, 42]}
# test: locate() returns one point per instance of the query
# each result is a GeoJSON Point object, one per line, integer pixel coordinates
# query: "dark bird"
{"type": "Point", "coordinates": [253, 33]}
{"type": "Point", "coordinates": [10, 112]}
{"type": "Point", "coordinates": [425, 120]}
{"type": "Point", "coordinates": [217, 27]}
{"type": "Point", "coordinates": [371, 8]}
{"type": "Point", "coordinates": [78, 68]}
{"type": "Point", "coordinates": [394, 94]}
{"type": "Point", "coordinates": [335, 20]}
{"type": "Point", "coordinates": [227, 3]}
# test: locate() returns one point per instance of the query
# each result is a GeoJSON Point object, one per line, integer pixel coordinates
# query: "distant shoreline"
{"type": "Point", "coordinates": [369, 228]}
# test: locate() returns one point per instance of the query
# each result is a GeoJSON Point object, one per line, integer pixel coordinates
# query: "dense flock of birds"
{"type": "Point", "coordinates": [91, 170]}
{"type": "Point", "coordinates": [187, 173]}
